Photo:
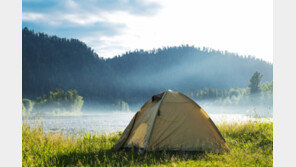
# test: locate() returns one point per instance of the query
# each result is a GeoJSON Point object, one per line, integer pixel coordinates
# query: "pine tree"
{"type": "Point", "coordinates": [254, 83]}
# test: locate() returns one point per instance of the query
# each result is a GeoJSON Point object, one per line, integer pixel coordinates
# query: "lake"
{"type": "Point", "coordinates": [106, 122]}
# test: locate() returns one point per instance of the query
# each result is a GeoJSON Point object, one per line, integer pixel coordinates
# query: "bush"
{"type": "Point", "coordinates": [59, 101]}
{"type": "Point", "coordinates": [27, 107]}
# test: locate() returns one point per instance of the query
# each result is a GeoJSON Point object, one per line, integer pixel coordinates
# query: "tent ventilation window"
{"type": "Point", "coordinates": [157, 97]}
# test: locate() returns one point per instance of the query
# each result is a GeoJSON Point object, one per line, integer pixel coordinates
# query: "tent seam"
{"type": "Point", "coordinates": [154, 120]}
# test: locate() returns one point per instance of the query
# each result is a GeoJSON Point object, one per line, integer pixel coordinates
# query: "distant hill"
{"type": "Point", "coordinates": [51, 62]}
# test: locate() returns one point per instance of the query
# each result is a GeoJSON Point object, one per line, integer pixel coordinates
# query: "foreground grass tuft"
{"type": "Point", "coordinates": [251, 144]}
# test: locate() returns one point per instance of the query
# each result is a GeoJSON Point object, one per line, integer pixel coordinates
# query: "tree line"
{"type": "Point", "coordinates": [60, 101]}
{"type": "Point", "coordinates": [50, 62]}
{"type": "Point", "coordinates": [55, 102]}
{"type": "Point", "coordinates": [255, 94]}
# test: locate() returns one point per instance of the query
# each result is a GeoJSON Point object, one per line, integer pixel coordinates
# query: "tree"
{"type": "Point", "coordinates": [267, 87]}
{"type": "Point", "coordinates": [59, 101]}
{"type": "Point", "coordinates": [27, 106]}
{"type": "Point", "coordinates": [254, 83]}
{"type": "Point", "coordinates": [122, 105]}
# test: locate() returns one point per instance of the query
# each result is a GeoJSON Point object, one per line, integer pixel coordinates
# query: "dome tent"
{"type": "Point", "coordinates": [172, 121]}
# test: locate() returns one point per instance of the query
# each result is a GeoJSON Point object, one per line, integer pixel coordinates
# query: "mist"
{"type": "Point", "coordinates": [254, 106]}
{"type": "Point", "coordinates": [64, 80]}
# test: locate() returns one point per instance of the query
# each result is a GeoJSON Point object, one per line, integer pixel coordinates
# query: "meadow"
{"type": "Point", "coordinates": [251, 144]}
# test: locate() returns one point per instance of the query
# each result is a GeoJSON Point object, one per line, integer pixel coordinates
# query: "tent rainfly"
{"type": "Point", "coordinates": [172, 121]}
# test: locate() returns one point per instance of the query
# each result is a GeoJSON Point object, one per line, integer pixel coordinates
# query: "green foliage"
{"type": "Point", "coordinates": [251, 144]}
{"type": "Point", "coordinates": [121, 106]}
{"type": "Point", "coordinates": [49, 62]}
{"type": "Point", "coordinates": [27, 107]}
{"type": "Point", "coordinates": [267, 93]}
{"type": "Point", "coordinates": [254, 83]}
{"type": "Point", "coordinates": [267, 87]}
{"type": "Point", "coordinates": [235, 97]}
{"type": "Point", "coordinates": [59, 101]}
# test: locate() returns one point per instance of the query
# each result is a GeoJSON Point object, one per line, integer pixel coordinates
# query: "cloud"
{"type": "Point", "coordinates": [87, 20]}
{"type": "Point", "coordinates": [113, 27]}
{"type": "Point", "coordinates": [64, 28]}
{"type": "Point", "coordinates": [133, 7]}
{"type": "Point", "coordinates": [32, 16]}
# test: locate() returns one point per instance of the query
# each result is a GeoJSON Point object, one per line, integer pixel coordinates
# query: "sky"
{"type": "Point", "coordinates": [112, 27]}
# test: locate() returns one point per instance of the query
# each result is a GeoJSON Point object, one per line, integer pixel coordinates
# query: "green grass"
{"type": "Point", "coordinates": [251, 144]}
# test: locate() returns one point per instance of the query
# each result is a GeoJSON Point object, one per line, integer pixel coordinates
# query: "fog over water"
{"type": "Point", "coordinates": [99, 121]}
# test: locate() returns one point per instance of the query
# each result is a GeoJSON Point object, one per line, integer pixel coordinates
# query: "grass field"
{"type": "Point", "coordinates": [251, 144]}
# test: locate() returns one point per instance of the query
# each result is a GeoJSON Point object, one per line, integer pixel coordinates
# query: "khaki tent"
{"type": "Point", "coordinates": [172, 121]}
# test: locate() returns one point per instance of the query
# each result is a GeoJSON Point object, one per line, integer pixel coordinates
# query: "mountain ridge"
{"type": "Point", "coordinates": [51, 62]}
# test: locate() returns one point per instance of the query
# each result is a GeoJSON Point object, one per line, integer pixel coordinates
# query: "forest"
{"type": "Point", "coordinates": [60, 102]}
{"type": "Point", "coordinates": [51, 62]}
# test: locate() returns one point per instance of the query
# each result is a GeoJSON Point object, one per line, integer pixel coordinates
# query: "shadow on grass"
{"type": "Point", "coordinates": [125, 158]}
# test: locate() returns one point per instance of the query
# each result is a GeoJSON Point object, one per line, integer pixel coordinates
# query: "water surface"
{"type": "Point", "coordinates": [106, 122]}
